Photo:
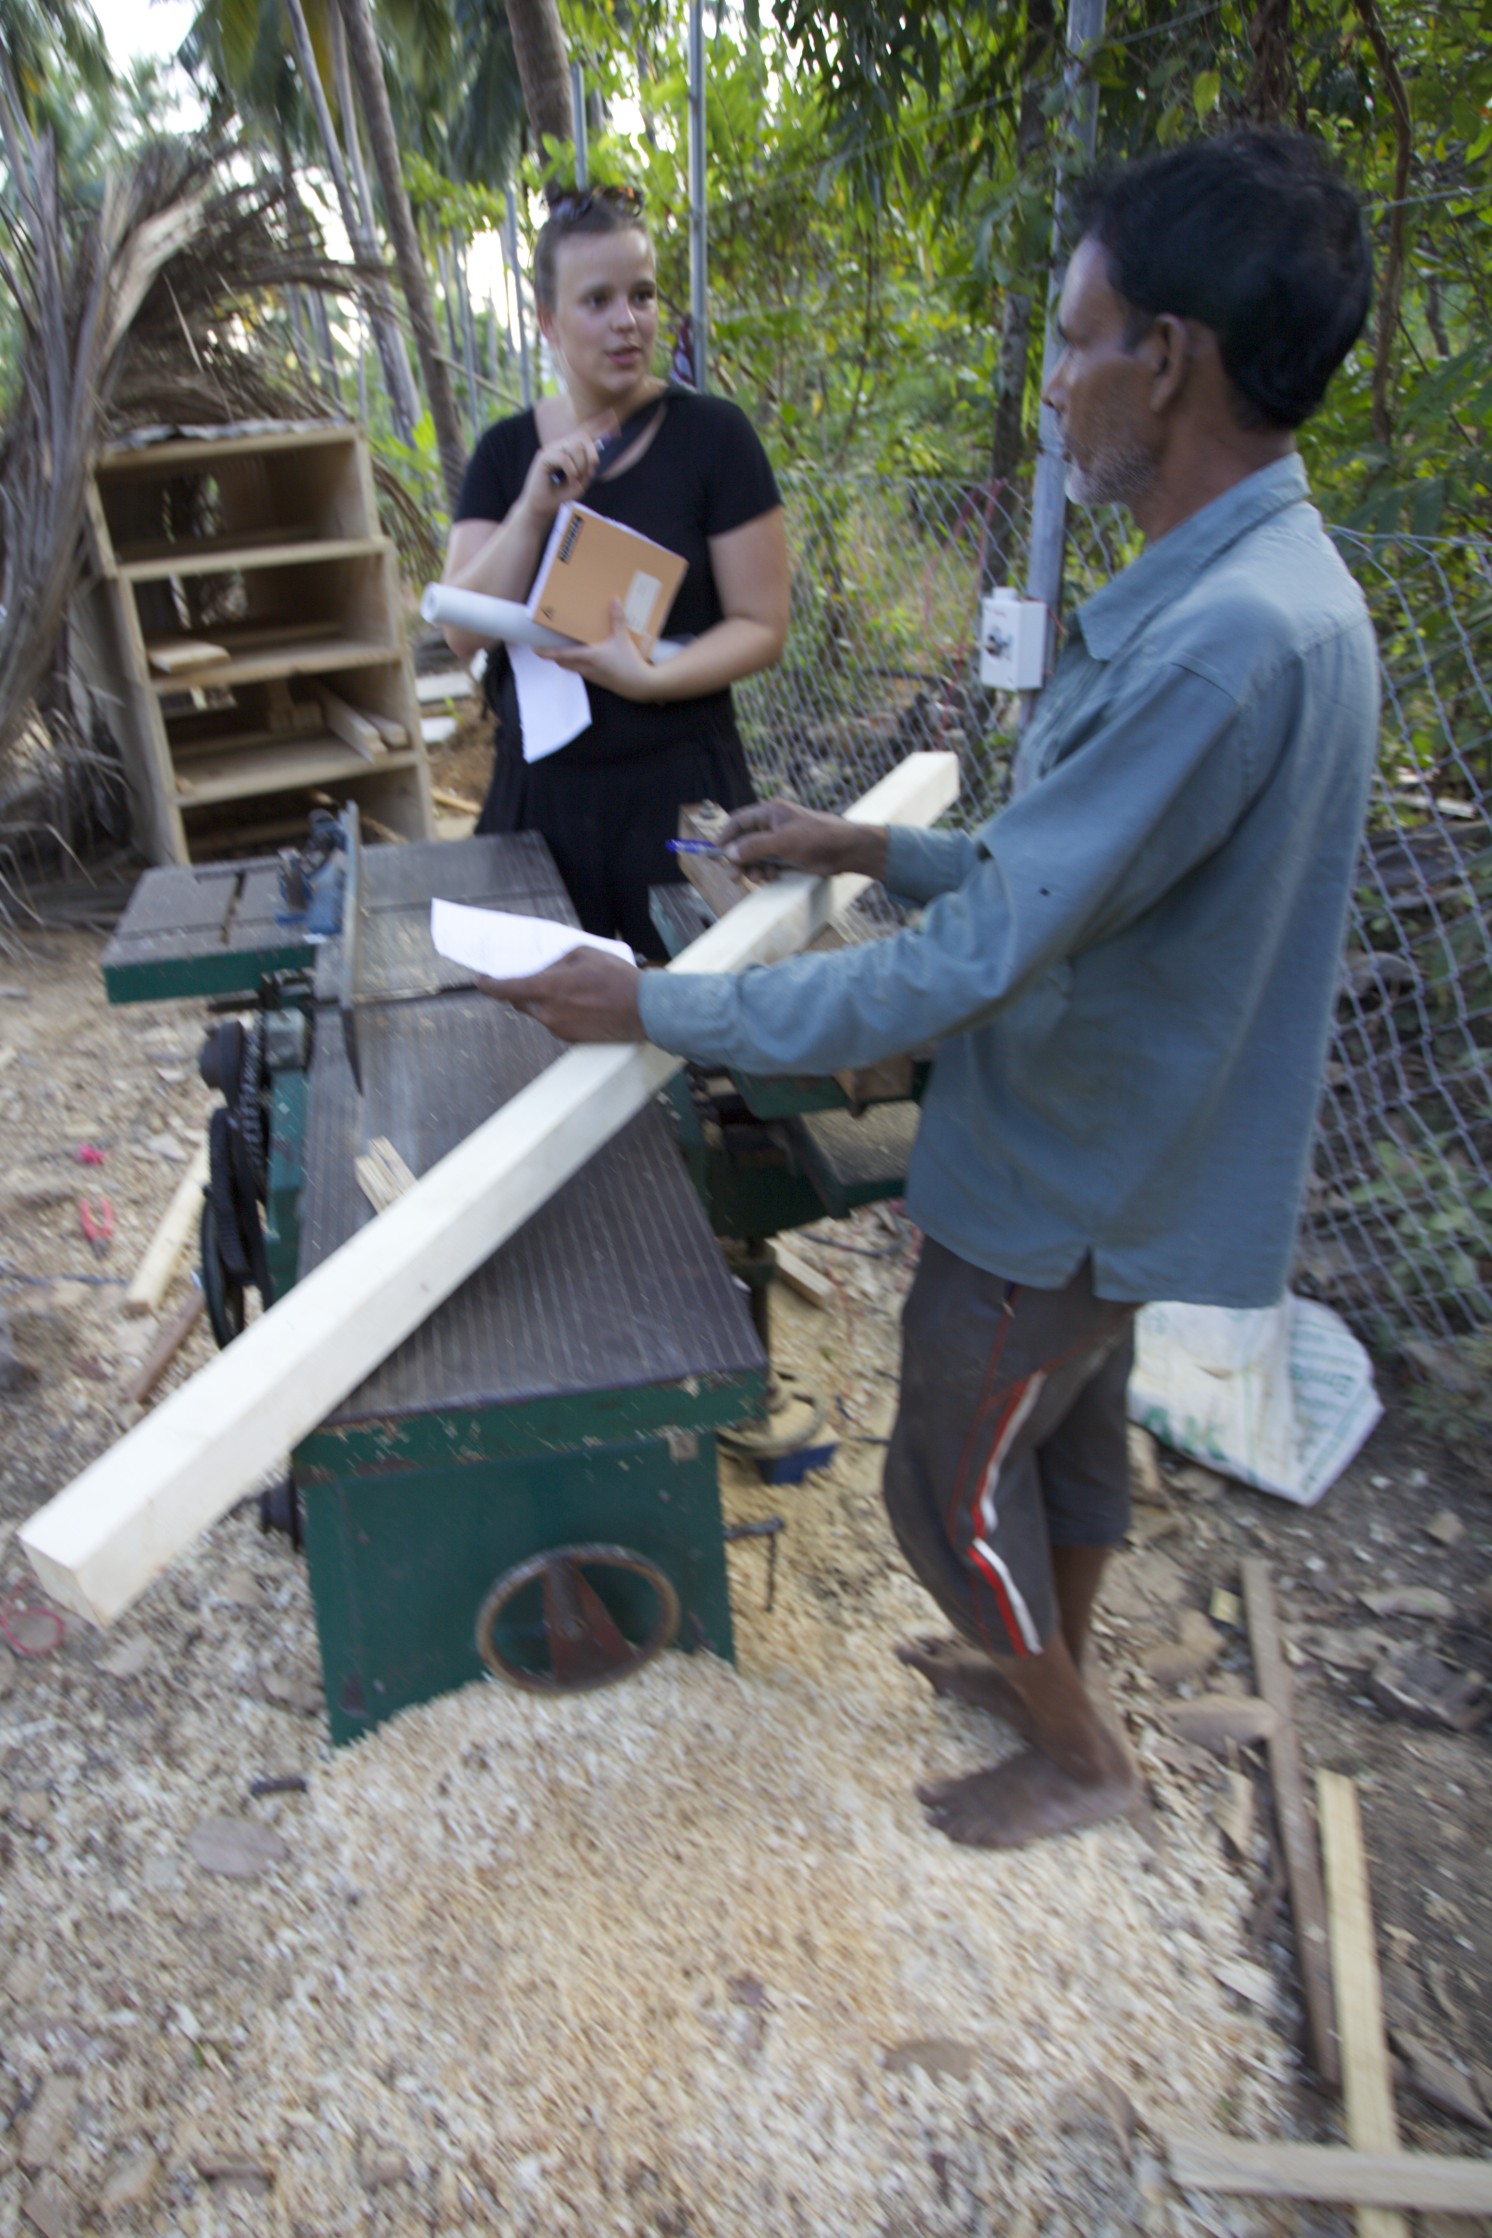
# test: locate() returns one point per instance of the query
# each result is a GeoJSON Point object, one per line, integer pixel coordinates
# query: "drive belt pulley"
{"type": "Point", "coordinates": [233, 1250]}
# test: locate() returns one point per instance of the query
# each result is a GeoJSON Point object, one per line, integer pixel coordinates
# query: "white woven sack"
{"type": "Point", "coordinates": [1280, 1398]}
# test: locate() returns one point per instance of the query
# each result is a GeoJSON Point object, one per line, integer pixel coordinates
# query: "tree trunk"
{"type": "Point", "coordinates": [405, 411]}
{"type": "Point", "coordinates": [447, 296]}
{"type": "Point", "coordinates": [543, 70]}
{"type": "Point", "coordinates": [311, 312]}
{"type": "Point", "coordinates": [468, 334]}
{"type": "Point", "coordinates": [367, 67]}
{"type": "Point", "coordinates": [1391, 281]}
{"type": "Point", "coordinates": [403, 402]}
{"type": "Point", "coordinates": [1270, 84]}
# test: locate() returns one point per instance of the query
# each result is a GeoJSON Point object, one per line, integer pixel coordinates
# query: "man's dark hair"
{"type": "Point", "coordinates": [1254, 235]}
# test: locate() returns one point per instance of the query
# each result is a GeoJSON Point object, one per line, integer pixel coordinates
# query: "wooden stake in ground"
{"type": "Point", "coordinates": [1366, 2087]}
{"type": "Point", "coordinates": [99, 1543]}
{"type": "Point", "coordinates": [154, 1274]}
{"type": "Point", "coordinates": [167, 1344]}
{"type": "Point", "coordinates": [1293, 1814]}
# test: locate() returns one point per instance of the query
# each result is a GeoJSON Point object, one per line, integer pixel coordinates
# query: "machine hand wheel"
{"type": "Point", "coordinates": [573, 1640]}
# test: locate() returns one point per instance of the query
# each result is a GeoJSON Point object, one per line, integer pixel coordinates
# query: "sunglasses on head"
{"type": "Point", "coordinates": [567, 208]}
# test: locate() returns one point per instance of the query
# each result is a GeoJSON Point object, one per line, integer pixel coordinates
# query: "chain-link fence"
{"type": "Point", "coordinates": [880, 661]}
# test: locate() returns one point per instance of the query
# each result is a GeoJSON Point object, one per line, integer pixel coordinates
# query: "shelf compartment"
{"type": "Point", "coordinates": [235, 491]}
{"type": "Point", "coordinates": [389, 796]}
{"type": "Point", "coordinates": [245, 772]}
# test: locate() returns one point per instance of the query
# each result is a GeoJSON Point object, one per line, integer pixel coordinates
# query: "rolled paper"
{"type": "Point", "coordinates": [504, 618]}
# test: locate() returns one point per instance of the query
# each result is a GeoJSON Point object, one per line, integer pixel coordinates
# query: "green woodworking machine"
{"type": "Point", "coordinates": [528, 1484]}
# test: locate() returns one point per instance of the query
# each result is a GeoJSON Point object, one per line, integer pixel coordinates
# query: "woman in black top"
{"type": "Point", "coordinates": [694, 477]}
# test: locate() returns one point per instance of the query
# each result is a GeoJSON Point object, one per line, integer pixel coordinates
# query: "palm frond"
{"type": "Point", "coordinates": [145, 305]}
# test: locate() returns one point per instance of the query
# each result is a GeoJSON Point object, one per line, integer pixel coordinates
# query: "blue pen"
{"type": "Point", "coordinates": [708, 847]}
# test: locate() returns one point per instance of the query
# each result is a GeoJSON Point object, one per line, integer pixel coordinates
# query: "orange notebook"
{"type": "Point", "coordinates": [588, 562]}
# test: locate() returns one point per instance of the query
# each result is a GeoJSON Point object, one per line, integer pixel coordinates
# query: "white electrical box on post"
{"type": "Point", "coordinates": [1012, 642]}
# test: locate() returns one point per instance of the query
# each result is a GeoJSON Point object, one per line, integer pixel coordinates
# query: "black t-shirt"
{"type": "Point", "coordinates": [704, 474]}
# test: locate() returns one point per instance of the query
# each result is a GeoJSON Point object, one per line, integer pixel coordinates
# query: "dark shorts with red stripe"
{"type": "Point", "coordinates": [1011, 1440]}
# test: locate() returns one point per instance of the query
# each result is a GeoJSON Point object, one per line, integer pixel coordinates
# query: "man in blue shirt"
{"type": "Point", "coordinates": [1129, 971]}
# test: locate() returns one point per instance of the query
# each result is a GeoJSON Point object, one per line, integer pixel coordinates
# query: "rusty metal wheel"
{"type": "Point", "coordinates": [574, 1640]}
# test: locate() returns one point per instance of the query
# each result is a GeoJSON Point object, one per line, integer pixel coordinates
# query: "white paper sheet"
{"type": "Point", "coordinates": [499, 945]}
{"type": "Point", "coordinates": [553, 703]}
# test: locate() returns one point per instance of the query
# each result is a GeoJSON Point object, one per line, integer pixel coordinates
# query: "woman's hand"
{"type": "Point", "coordinates": [616, 663]}
{"type": "Point", "coordinates": [575, 457]}
{"type": "Point", "coordinates": [784, 832]}
{"type": "Point", "coordinates": [586, 996]}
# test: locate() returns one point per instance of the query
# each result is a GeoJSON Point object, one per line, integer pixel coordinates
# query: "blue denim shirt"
{"type": "Point", "coordinates": [1130, 969]}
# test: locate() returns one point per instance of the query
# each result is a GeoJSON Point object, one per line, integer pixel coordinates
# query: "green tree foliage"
{"type": "Point", "coordinates": [54, 53]}
{"type": "Point", "coordinates": [920, 101]}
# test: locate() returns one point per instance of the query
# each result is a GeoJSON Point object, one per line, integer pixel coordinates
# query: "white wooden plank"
{"type": "Point", "coordinates": [98, 1544]}
{"type": "Point", "coordinates": [392, 733]}
{"type": "Point", "coordinates": [354, 729]}
{"type": "Point", "coordinates": [1279, 2169]}
{"type": "Point", "coordinates": [1367, 2089]}
{"type": "Point", "coordinates": [451, 683]}
{"type": "Point", "coordinates": [152, 1277]}
{"type": "Point", "coordinates": [168, 654]}
{"type": "Point", "coordinates": [816, 1288]}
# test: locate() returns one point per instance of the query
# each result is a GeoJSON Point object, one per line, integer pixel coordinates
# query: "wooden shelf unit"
{"type": "Point", "coordinates": [240, 601]}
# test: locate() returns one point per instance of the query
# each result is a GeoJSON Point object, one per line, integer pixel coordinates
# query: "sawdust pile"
{"type": "Point", "coordinates": [643, 1961]}
{"type": "Point", "coordinates": [680, 1959]}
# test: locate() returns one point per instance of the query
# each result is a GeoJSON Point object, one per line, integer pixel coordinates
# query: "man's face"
{"type": "Point", "coordinates": [1099, 390]}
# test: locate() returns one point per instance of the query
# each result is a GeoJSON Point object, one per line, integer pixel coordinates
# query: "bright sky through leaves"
{"type": "Point", "coordinates": [143, 27]}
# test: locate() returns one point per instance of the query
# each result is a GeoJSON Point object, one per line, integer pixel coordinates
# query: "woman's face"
{"type": "Point", "coordinates": [604, 319]}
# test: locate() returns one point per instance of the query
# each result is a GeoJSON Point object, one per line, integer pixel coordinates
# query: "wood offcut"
{"type": "Point", "coordinates": [1293, 1816]}
{"type": "Point", "coordinates": [1367, 2088]}
{"type": "Point", "coordinates": [1424, 2183]}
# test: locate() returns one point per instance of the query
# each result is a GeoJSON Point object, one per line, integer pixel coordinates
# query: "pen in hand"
{"type": "Point", "coordinates": [708, 847]}
{"type": "Point", "coordinates": [606, 451]}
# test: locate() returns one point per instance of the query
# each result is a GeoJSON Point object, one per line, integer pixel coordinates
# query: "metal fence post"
{"type": "Point", "coordinates": [698, 295]}
{"type": "Point", "coordinates": [577, 128]}
{"type": "Point", "coordinates": [1085, 21]}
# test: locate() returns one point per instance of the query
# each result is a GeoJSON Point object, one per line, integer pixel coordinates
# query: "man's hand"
{"type": "Point", "coordinates": [586, 996]}
{"type": "Point", "coordinates": [780, 831]}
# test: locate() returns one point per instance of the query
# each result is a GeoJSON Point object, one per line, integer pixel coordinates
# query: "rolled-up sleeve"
{"type": "Point", "coordinates": [1148, 796]}
{"type": "Point", "coordinates": [920, 865]}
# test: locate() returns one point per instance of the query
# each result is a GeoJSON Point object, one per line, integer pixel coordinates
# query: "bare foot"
{"type": "Point", "coordinates": [967, 1676]}
{"type": "Point", "coordinates": [1027, 1798]}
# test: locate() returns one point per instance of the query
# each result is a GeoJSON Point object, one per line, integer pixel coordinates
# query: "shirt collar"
{"type": "Point", "coordinates": [1172, 564]}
